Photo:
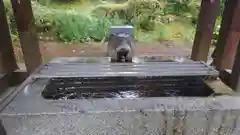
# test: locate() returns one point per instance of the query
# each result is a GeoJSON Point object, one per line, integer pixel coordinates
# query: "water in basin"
{"type": "Point", "coordinates": [125, 87]}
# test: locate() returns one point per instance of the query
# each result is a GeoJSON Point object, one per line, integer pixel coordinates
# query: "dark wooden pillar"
{"type": "Point", "coordinates": [235, 75]}
{"type": "Point", "coordinates": [225, 51]}
{"type": "Point", "coordinates": [2, 129]}
{"type": "Point", "coordinates": [7, 58]}
{"type": "Point", "coordinates": [27, 33]}
{"type": "Point", "coordinates": [206, 21]}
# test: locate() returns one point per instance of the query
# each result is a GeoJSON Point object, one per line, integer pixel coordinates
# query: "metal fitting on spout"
{"type": "Point", "coordinates": [120, 45]}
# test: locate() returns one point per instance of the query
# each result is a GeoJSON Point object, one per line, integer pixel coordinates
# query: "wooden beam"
{"type": "Point", "coordinates": [225, 76]}
{"type": "Point", "coordinates": [2, 129]}
{"type": "Point", "coordinates": [7, 58]}
{"type": "Point", "coordinates": [206, 21]}
{"type": "Point", "coordinates": [27, 33]}
{"type": "Point", "coordinates": [3, 82]}
{"type": "Point", "coordinates": [17, 77]}
{"type": "Point", "coordinates": [11, 79]}
{"type": "Point", "coordinates": [235, 75]}
{"type": "Point", "coordinates": [219, 87]}
{"type": "Point", "coordinates": [225, 51]}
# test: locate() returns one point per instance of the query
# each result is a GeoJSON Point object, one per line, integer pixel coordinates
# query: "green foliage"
{"type": "Point", "coordinates": [140, 13]}
{"type": "Point", "coordinates": [81, 28]}
{"type": "Point", "coordinates": [44, 2]}
{"type": "Point", "coordinates": [149, 18]}
{"type": "Point", "coordinates": [11, 22]}
{"type": "Point", "coordinates": [84, 20]}
{"type": "Point", "coordinates": [216, 31]}
{"type": "Point", "coordinates": [145, 16]}
{"type": "Point", "coordinates": [222, 5]}
{"type": "Point", "coordinates": [184, 8]}
{"type": "Point", "coordinates": [49, 2]}
{"type": "Point", "coordinates": [71, 25]}
{"type": "Point", "coordinates": [159, 33]}
{"type": "Point", "coordinates": [218, 24]}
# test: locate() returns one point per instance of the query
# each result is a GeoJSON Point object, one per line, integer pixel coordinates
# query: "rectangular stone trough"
{"type": "Point", "coordinates": [90, 96]}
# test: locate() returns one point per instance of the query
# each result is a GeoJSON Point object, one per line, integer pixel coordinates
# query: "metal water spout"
{"type": "Point", "coordinates": [120, 46]}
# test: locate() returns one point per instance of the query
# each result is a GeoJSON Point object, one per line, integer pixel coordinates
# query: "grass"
{"type": "Point", "coordinates": [159, 33]}
{"type": "Point", "coordinates": [180, 30]}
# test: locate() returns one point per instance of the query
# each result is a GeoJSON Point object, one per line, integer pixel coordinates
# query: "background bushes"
{"type": "Point", "coordinates": [85, 20]}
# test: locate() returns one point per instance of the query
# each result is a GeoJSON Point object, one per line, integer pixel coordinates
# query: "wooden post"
{"type": "Point", "coordinates": [2, 129]}
{"type": "Point", "coordinates": [235, 75]}
{"type": "Point", "coordinates": [7, 58]}
{"type": "Point", "coordinates": [206, 21]}
{"type": "Point", "coordinates": [229, 36]}
{"type": "Point", "coordinates": [27, 33]}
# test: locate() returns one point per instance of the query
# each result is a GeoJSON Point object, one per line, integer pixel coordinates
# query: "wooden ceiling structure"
{"type": "Point", "coordinates": [226, 54]}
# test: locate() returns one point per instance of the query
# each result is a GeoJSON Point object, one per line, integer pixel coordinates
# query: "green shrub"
{"type": "Point", "coordinates": [184, 8]}
{"type": "Point", "coordinates": [11, 22]}
{"type": "Point", "coordinates": [81, 28]}
{"type": "Point", "coordinates": [216, 31]}
{"type": "Point", "coordinates": [140, 13]}
{"type": "Point", "coordinates": [70, 25]}
{"type": "Point", "coordinates": [159, 33]}
{"type": "Point", "coordinates": [9, 13]}
{"type": "Point", "coordinates": [91, 21]}
{"type": "Point", "coordinates": [49, 2]}
{"type": "Point", "coordinates": [44, 2]}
